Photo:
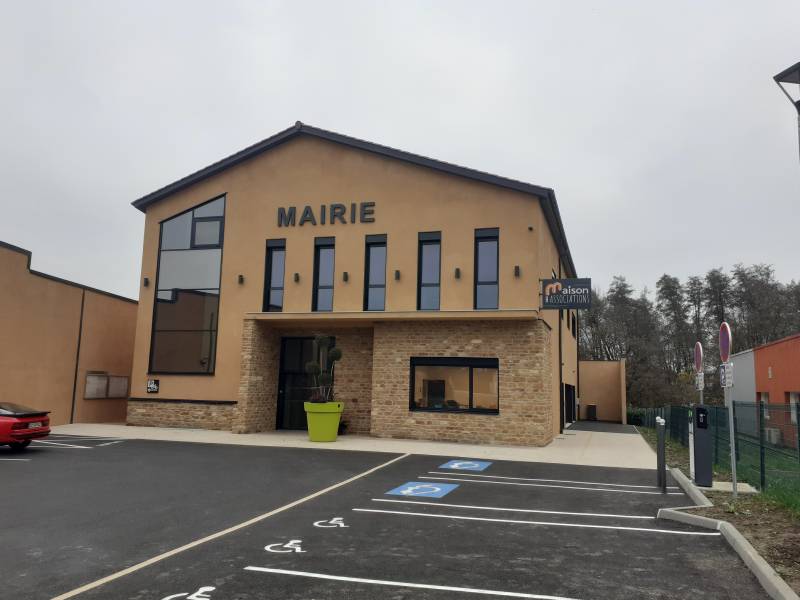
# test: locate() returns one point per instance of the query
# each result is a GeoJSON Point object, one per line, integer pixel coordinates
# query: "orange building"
{"type": "Point", "coordinates": [777, 376]}
{"type": "Point", "coordinates": [427, 275]}
{"type": "Point", "coordinates": [64, 347]}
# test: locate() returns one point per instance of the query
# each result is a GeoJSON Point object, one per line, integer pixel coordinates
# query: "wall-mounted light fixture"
{"type": "Point", "coordinates": [241, 279]}
{"type": "Point", "coordinates": [146, 281]}
{"type": "Point", "coordinates": [458, 273]}
{"type": "Point", "coordinates": [345, 277]}
{"type": "Point", "coordinates": [397, 275]}
{"type": "Point", "coordinates": [530, 227]}
{"type": "Point", "coordinates": [296, 277]}
{"type": "Point", "coordinates": [516, 271]}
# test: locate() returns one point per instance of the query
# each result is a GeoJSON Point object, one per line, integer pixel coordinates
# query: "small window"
{"type": "Point", "coordinates": [324, 255]}
{"type": "Point", "coordinates": [794, 399]}
{"type": "Point", "coordinates": [274, 275]}
{"type": "Point", "coordinates": [375, 273]}
{"type": "Point", "coordinates": [454, 385]}
{"type": "Point", "coordinates": [428, 271]}
{"type": "Point", "coordinates": [486, 269]}
{"type": "Point", "coordinates": [763, 398]}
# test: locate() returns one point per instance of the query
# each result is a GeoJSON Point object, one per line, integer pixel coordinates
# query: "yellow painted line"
{"type": "Point", "coordinates": [219, 534]}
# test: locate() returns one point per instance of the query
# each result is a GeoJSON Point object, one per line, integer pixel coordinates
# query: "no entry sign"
{"type": "Point", "coordinates": [698, 357]}
{"type": "Point", "coordinates": [724, 342]}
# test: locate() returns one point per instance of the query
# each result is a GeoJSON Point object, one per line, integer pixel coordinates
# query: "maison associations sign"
{"type": "Point", "coordinates": [566, 293]}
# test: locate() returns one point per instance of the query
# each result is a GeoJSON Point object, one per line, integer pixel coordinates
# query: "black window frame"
{"type": "Point", "coordinates": [483, 235]}
{"type": "Point", "coordinates": [273, 246]}
{"type": "Point", "coordinates": [575, 325]}
{"type": "Point", "coordinates": [321, 243]}
{"type": "Point", "coordinates": [215, 331]}
{"type": "Point", "coordinates": [429, 238]}
{"type": "Point", "coordinates": [454, 361]}
{"type": "Point", "coordinates": [374, 241]}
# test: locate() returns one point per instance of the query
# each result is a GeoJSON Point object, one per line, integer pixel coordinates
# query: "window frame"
{"type": "Point", "coordinates": [489, 234]}
{"type": "Point", "coordinates": [429, 238]}
{"type": "Point", "coordinates": [220, 246]}
{"type": "Point", "coordinates": [459, 362]}
{"type": "Point", "coordinates": [374, 241]}
{"type": "Point", "coordinates": [321, 243]}
{"type": "Point", "coordinates": [193, 245]}
{"type": "Point", "coordinates": [273, 246]}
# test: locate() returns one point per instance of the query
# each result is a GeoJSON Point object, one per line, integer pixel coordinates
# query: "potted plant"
{"type": "Point", "coordinates": [322, 411]}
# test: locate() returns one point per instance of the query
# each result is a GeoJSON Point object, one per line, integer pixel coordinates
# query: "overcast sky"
{"type": "Point", "coordinates": [657, 123]}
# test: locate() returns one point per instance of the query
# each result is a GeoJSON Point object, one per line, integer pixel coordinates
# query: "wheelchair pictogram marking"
{"type": "Point", "coordinates": [428, 490]}
{"type": "Point", "coordinates": [290, 546]}
{"type": "Point", "coordinates": [334, 522]}
{"type": "Point", "coordinates": [466, 465]}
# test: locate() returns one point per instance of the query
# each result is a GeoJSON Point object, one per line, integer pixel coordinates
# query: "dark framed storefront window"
{"type": "Point", "coordinates": [455, 384]}
{"type": "Point", "coordinates": [487, 258]}
{"type": "Point", "coordinates": [186, 307]}
{"type": "Point", "coordinates": [324, 259]}
{"type": "Point", "coordinates": [274, 276]}
{"type": "Point", "coordinates": [375, 273]}
{"type": "Point", "coordinates": [429, 270]}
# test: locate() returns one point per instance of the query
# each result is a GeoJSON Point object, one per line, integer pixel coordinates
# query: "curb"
{"type": "Point", "coordinates": [769, 579]}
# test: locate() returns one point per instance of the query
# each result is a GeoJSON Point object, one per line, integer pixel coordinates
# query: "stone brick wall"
{"type": "Point", "coordinates": [258, 382]}
{"type": "Point", "coordinates": [353, 378]}
{"type": "Point", "coordinates": [525, 378]}
{"type": "Point", "coordinates": [193, 415]}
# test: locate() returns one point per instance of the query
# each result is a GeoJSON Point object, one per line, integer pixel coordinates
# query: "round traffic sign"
{"type": "Point", "coordinates": [698, 357]}
{"type": "Point", "coordinates": [724, 342]}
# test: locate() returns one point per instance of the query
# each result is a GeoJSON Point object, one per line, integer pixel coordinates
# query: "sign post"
{"type": "Point", "coordinates": [726, 381]}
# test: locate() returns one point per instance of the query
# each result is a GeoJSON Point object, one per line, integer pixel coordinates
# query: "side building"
{"type": "Point", "coordinates": [64, 347]}
{"type": "Point", "coordinates": [426, 274]}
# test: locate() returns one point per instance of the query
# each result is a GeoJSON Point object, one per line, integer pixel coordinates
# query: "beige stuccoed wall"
{"type": "Point", "coordinates": [39, 341]}
{"type": "Point", "coordinates": [603, 384]}
{"type": "Point", "coordinates": [408, 199]}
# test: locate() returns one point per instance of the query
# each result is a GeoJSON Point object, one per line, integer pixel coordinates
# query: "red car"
{"type": "Point", "coordinates": [20, 424]}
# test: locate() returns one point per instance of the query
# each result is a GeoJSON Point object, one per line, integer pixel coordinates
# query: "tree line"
{"type": "Point", "coordinates": [657, 336]}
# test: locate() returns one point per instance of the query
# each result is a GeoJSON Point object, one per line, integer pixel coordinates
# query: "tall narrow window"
{"type": "Point", "coordinates": [273, 276]}
{"type": "Point", "coordinates": [185, 316]}
{"type": "Point", "coordinates": [323, 274]}
{"type": "Point", "coordinates": [375, 273]}
{"type": "Point", "coordinates": [428, 271]}
{"type": "Point", "coordinates": [486, 268]}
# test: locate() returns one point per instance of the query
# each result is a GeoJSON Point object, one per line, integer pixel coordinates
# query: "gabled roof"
{"type": "Point", "coordinates": [546, 195]}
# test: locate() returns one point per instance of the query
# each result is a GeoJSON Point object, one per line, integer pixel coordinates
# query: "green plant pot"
{"type": "Point", "coordinates": [323, 420]}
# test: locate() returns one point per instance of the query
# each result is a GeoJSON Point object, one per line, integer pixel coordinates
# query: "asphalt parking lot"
{"type": "Point", "coordinates": [394, 527]}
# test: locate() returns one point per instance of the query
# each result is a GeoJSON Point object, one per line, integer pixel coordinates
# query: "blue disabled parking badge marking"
{"type": "Point", "coordinates": [466, 465]}
{"type": "Point", "coordinates": [428, 490]}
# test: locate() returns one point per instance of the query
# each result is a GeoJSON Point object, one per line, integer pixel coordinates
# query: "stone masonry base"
{"type": "Point", "coordinates": [160, 413]}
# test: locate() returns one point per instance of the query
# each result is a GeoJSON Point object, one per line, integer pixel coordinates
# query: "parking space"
{"type": "Point", "coordinates": [426, 528]}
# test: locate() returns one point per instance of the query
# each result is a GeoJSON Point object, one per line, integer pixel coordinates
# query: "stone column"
{"type": "Point", "coordinates": [258, 381]}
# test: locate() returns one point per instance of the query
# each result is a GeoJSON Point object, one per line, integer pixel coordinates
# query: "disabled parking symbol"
{"type": "Point", "coordinates": [427, 490]}
{"type": "Point", "coordinates": [466, 465]}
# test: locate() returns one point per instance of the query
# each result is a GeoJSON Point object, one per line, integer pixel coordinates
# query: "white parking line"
{"type": "Point", "coordinates": [63, 438]}
{"type": "Point", "coordinates": [219, 534]}
{"type": "Point", "coordinates": [60, 444]}
{"type": "Point", "coordinates": [406, 584]}
{"type": "Point", "coordinates": [541, 523]}
{"type": "Point", "coordinates": [110, 443]}
{"type": "Point", "coordinates": [16, 459]}
{"type": "Point", "coordinates": [522, 510]}
{"type": "Point", "coordinates": [460, 474]}
{"type": "Point", "coordinates": [549, 485]}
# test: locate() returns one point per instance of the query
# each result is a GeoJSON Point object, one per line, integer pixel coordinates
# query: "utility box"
{"type": "Point", "coordinates": [702, 447]}
{"type": "Point", "coordinates": [591, 412]}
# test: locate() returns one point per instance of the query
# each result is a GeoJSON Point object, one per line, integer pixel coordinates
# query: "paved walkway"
{"type": "Point", "coordinates": [590, 448]}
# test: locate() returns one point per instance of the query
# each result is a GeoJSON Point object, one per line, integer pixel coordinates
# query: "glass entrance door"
{"type": "Point", "coordinates": [294, 385]}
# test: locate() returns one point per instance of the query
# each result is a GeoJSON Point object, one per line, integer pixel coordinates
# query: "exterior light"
{"type": "Point", "coordinates": [296, 277]}
{"type": "Point", "coordinates": [345, 276]}
{"type": "Point", "coordinates": [458, 273]}
{"type": "Point", "coordinates": [241, 279]}
{"type": "Point", "coordinates": [516, 271]}
{"type": "Point", "coordinates": [397, 275]}
{"type": "Point", "coordinates": [146, 281]}
{"type": "Point", "coordinates": [791, 76]}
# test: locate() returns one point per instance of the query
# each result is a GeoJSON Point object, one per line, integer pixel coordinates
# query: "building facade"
{"type": "Point", "coordinates": [64, 347]}
{"type": "Point", "coordinates": [427, 275]}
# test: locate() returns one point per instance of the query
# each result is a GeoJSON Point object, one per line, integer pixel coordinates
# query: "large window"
{"type": "Point", "coordinates": [184, 336]}
{"type": "Point", "coordinates": [375, 273]}
{"type": "Point", "coordinates": [428, 271]}
{"type": "Point", "coordinates": [323, 274]}
{"type": "Point", "coordinates": [486, 268]}
{"type": "Point", "coordinates": [273, 276]}
{"type": "Point", "coordinates": [454, 385]}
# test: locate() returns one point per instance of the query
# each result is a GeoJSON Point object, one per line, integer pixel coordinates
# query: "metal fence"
{"type": "Point", "coordinates": [767, 439]}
